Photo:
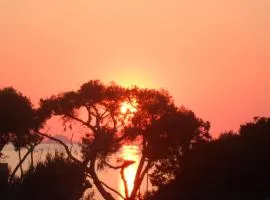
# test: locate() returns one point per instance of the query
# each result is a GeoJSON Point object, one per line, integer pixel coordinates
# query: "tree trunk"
{"type": "Point", "coordinates": [19, 164]}
{"type": "Point", "coordinates": [106, 195]}
{"type": "Point", "coordinates": [139, 178]}
{"type": "Point", "coordinates": [20, 160]}
{"type": "Point", "coordinates": [32, 159]}
{"type": "Point", "coordinates": [125, 182]}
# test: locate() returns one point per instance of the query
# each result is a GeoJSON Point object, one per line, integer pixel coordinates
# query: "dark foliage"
{"type": "Point", "coordinates": [18, 119]}
{"type": "Point", "coordinates": [170, 139]}
{"type": "Point", "coordinates": [55, 178]}
{"type": "Point", "coordinates": [16, 115]}
{"type": "Point", "coordinates": [235, 166]}
{"type": "Point", "coordinates": [166, 133]}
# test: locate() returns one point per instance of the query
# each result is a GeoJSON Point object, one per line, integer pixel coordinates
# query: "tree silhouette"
{"type": "Point", "coordinates": [103, 124]}
{"type": "Point", "coordinates": [28, 141]}
{"type": "Point", "coordinates": [18, 124]}
{"type": "Point", "coordinates": [153, 124]}
{"type": "Point", "coordinates": [16, 116]}
{"type": "Point", "coordinates": [166, 134]}
{"type": "Point", "coordinates": [235, 166]}
{"type": "Point", "coordinates": [176, 134]}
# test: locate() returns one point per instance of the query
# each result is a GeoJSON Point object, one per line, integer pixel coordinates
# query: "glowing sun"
{"type": "Point", "coordinates": [129, 107]}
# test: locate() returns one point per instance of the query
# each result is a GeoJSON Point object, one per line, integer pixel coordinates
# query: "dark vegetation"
{"type": "Point", "coordinates": [56, 178]}
{"type": "Point", "coordinates": [235, 166]}
{"type": "Point", "coordinates": [177, 151]}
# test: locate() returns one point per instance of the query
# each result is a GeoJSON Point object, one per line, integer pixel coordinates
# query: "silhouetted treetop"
{"type": "Point", "coordinates": [16, 112]}
{"type": "Point", "coordinates": [91, 96]}
{"type": "Point", "coordinates": [170, 139]}
{"type": "Point", "coordinates": [17, 117]}
{"type": "Point", "coordinates": [258, 129]}
{"type": "Point", "coordinates": [234, 166]}
{"type": "Point", "coordinates": [176, 131]}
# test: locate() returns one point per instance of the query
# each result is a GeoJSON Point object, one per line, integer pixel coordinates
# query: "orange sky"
{"type": "Point", "coordinates": [213, 56]}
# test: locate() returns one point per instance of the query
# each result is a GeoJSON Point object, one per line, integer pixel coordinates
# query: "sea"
{"type": "Point", "coordinates": [109, 176]}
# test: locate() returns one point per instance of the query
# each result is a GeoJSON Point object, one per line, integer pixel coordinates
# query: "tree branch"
{"type": "Point", "coordinates": [106, 195]}
{"type": "Point", "coordinates": [137, 177]}
{"type": "Point", "coordinates": [107, 186]}
{"type": "Point", "coordinates": [124, 181]}
{"type": "Point", "coordinates": [105, 114]}
{"type": "Point", "coordinates": [89, 113]}
{"type": "Point", "coordinates": [138, 182]}
{"type": "Point", "coordinates": [122, 167]}
{"type": "Point", "coordinates": [63, 144]}
{"type": "Point", "coordinates": [110, 188]}
{"type": "Point", "coordinates": [20, 160]}
{"type": "Point", "coordinates": [112, 166]}
{"type": "Point", "coordinates": [81, 121]}
{"type": "Point", "coordinates": [19, 164]}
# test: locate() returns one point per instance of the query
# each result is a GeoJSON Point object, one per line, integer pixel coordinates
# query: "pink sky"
{"type": "Point", "coordinates": [213, 56]}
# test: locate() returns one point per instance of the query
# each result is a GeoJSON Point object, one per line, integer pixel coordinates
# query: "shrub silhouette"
{"type": "Point", "coordinates": [55, 178]}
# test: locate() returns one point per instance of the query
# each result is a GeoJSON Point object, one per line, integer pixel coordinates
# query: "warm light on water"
{"type": "Point", "coordinates": [129, 152]}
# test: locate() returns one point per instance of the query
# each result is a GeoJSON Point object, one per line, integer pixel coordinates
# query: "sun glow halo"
{"type": "Point", "coordinates": [129, 107]}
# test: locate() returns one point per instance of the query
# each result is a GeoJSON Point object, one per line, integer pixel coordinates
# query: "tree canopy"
{"type": "Point", "coordinates": [18, 119]}
{"type": "Point", "coordinates": [234, 166]}
{"type": "Point", "coordinates": [157, 126]}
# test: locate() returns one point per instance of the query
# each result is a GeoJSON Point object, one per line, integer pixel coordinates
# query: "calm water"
{"type": "Point", "coordinates": [109, 176]}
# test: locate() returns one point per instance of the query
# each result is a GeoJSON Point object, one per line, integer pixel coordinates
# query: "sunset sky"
{"type": "Point", "coordinates": [212, 55]}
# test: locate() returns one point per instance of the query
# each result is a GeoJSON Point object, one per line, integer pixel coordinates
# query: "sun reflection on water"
{"type": "Point", "coordinates": [129, 152]}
